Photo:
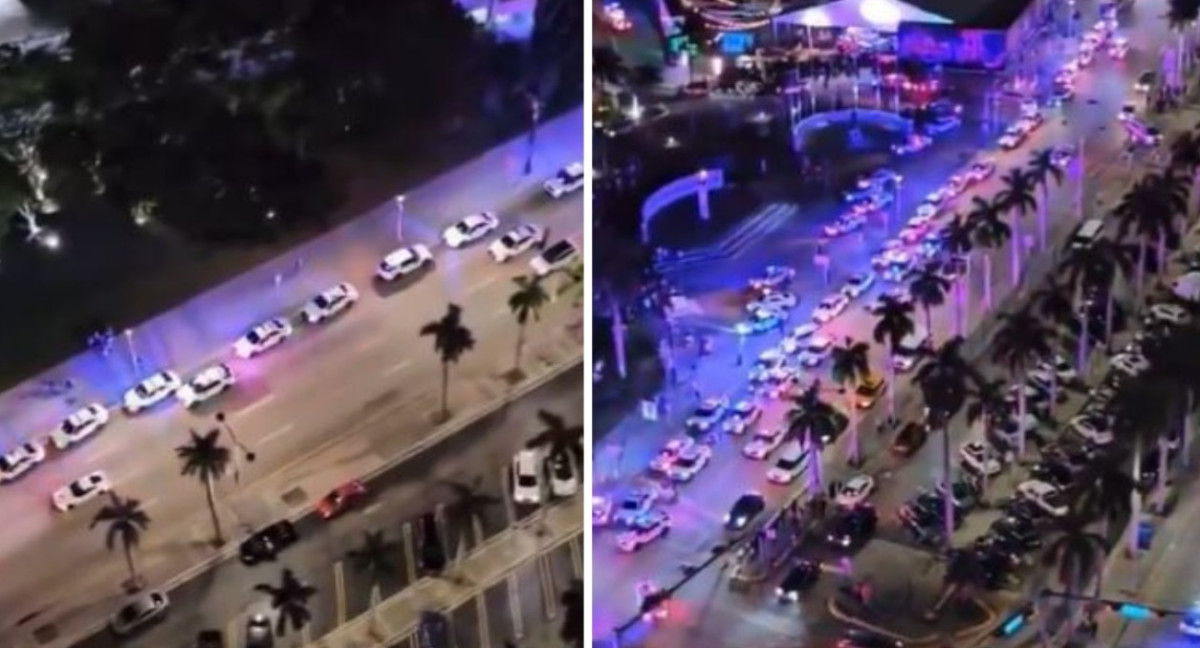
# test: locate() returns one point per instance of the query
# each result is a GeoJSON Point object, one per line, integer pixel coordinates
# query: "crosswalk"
{"type": "Point", "coordinates": [767, 220]}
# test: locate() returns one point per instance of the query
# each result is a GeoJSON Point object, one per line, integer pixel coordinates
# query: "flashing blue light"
{"type": "Point", "coordinates": [1013, 625]}
{"type": "Point", "coordinates": [1135, 612]}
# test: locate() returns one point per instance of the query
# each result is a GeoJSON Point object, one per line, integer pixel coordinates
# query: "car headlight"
{"type": "Point", "coordinates": [779, 592]}
{"type": "Point", "coordinates": [741, 521]}
{"type": "Point", "coordinates": [727, 518]}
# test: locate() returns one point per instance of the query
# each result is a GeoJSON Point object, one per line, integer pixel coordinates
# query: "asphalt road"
{"type": "Point", "coordinates": [322, 392]}
{"type": "Point", "coordinates": [1102, 89]}
{"type": "Point", "coordinates": [222, 597]}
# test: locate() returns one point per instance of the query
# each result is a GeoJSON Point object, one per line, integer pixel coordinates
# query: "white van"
{"type": "Point", "coordinates": [1087, 233]}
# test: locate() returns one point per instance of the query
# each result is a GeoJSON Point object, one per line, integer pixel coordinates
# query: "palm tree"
{"type": "Point", "coordinates": [572, 283]}
{"type": "Point", "coordinates": [470, 501]}
{"type": "Point", "coordinates": [1106, 495]}
{"type": "Point", "coordinates": [1022, 341]}
{"type": "Point", "coordinates": [451, 340]}
{"type": "Point", "coordinates": [524, 303]}
{"type": "Point", "coordinates": [1053, 303]}
{"type": "Point", "coordinates": [1093, 266]}
{"type": "Point", "coordinates": [893, 323]}
{"type": "Point", "coordinates": [558, 437]}
{"type": "Point", "coordinates": [572, 600]}
{"type": "Point", "coordinates": [850, 366]}
{"type": "Point", "coordinates": [126, 521]}
{"type": "Point", "coordinates": [206, 459]}
{"type": "Point", "coordinates": [1181, 16]}
{"type": "Point", "coordinates": [958, 242]}
{"type": "Point", "coordinates": [963, 574]}
{"type": "Point", "coordinates": [944, 380]}
{"type": "Point", "coordinates": [1185, 157]}
{"type": "Point", "coordinates": [809, 419]}
{"type": "Point", "coordinates": [990, 232]}
{"type": "Point", "coordinates": [376, 559]}
{"type": "Point", "coordinates": [1077, 553]}
{"type": "Point", "coordinates": [608, 68]}
{"type": "Point", "coordinates": [1017, 199]}
{"type": "Point", "coordinates": [929, 289]}
{"type": "Point", "coordinates": [290, 600]}
{"type": "Point", "coordinates": [1143, 414]}
{"type": "Point", "coordinates": [1148, 211]}
{"type": "Point", "coordinates": [1044, 171]}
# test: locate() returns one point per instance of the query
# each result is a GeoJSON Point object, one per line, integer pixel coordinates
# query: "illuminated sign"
{"type": "Point", "coordinates": [736, 42]}
{"type": "Point", "coordinates": [951, 46]}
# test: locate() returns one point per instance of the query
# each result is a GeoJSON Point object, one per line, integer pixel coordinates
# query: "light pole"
{"type": "Point", "coordinates": [535, 117]}
{"type": "Point", "coordinates": [223, 421]}
{"type": "Point", "coordinates": [133, 356]}
{"type": "Point", "coordinates": [399, 202]}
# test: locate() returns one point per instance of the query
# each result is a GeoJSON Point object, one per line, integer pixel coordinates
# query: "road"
{"type": "Point", "coordinates": [223, 595]}
{"type": "Point", "coordinates": [1102, 89]}
{"type": "Point", "coordinates": [321, 392]}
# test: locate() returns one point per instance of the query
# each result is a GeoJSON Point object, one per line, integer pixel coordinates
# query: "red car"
{"type": "Point", "coordinates": [340, 499]}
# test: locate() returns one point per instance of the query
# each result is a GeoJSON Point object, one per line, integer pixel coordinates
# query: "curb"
{"type": "Point", "coordinates": [836, 612]}
{"type": "Point", "coordinates": [441, 433]}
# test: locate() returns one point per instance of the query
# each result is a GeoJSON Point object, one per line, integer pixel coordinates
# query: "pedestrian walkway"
{"type": "Point", "coordinates": [396, 619]}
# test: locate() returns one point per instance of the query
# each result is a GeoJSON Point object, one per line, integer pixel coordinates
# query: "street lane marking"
{"type": "Point", "coordinates": [339, 584]}
{"type": "Point", "coordinates": [278, 432]}
{"type": "Point", "coordinates": [257, 404]}
{"type": "Point", "coordinates": [396, 368]}
{"type": "Point", "coordinates": [480, 285]}
{"type": "Point", "coordinates": [368, 344]}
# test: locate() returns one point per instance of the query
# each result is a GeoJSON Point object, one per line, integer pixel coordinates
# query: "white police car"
{"type": "Point", "coordinates": [643, 530]}
{"type": "Point", "coordinates": [21, 460]}
{"type": "Point", "coordinates": [402, 262]}
{"type": "Point", "coordinates": [470, 228]}
{"type": "Point", "coordinates": [263, 337]}
{"type": "Point", "coordinates": [79, 426]}
{"type": "Point", "coordinates": [515, 242]}
{"type": "Point", "coordinates": [206, 385]}
{"type": "Point", "coordinates": [81, 491]}
{"type": "Point", "coordinates": [568, 179]}
{"type": "Point", "coordinates": [331, 302]}
{"type": "Point", "coordinates": [1012, 138]}
{"type": "Point", "coordinates": [152, 390]}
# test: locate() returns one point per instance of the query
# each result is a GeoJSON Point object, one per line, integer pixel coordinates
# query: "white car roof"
{"type": "Point", "coordinates": [212, 374]}
{"type": "Point", "coordinates": [574, 168]}
{"type": "Point", "coordinates": [156, 381]}
{"type": "Point", "coordinates": [82, 416]}
{"type": "Point", "coordinates": [400, 257]}
{"type": "Point", "coordinates": [819, 341]}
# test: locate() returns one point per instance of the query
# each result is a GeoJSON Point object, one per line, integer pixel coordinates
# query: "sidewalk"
{"type": "Point", "coordinates": [397, 618]}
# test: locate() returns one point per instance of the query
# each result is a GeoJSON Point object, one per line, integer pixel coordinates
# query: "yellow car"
{"type": "Point", "coordinates": [868, 392]}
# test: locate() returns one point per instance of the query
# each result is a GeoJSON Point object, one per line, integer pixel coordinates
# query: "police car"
{"type": "Point", "coordinates": [516, 242]}
{"type": "Point", "coordinates": [263, 337]}
{"type": "Point", "coordinates": [151, 391]}
{"type": "Point", "coordinates": [402, 262]}
{"type": "Point", "coordinates": [21, 460]}
{"type": "Point", "coordinates": [764, 442]}
{"type": "Point", "coordinates": [1012, 138]}
{"type": "Point", "coordinates": [331, 302]}
{"type": "Point", "coordinates": [79, 426]}
{"type": "Point", "coordinates": [760, 321]}
{"type": "Point", "coordinates": [470, 228]}
{"type": "Point", "coordinates": [689, 462]}
{"type": "Point", "coordinates": [554, 258]}
{"type": "Point", "coordinates": [206, 385]}
{"type": "Point", "coordinates": [643, 530]}
{"type": "Point", "coordinates": [742, 417]}
{"type": "Point", "coordinates": [567, 180]}
{"type": "Point", "coordinates": [707, 414]}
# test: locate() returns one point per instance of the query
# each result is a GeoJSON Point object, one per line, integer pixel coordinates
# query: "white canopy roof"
{"type": "Point", "coordinates": [879, 15]}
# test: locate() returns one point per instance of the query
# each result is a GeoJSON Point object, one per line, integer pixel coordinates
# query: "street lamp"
{"type": "Point", "coordinates": [133, 356]}
{"type": "Point", "coordinates": [223, 421]}
{"type": "Point", "coordinates": [399, 202]}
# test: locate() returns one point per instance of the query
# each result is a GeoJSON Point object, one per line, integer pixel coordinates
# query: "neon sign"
{"type": "Point", "coordinates": [951, 46]}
